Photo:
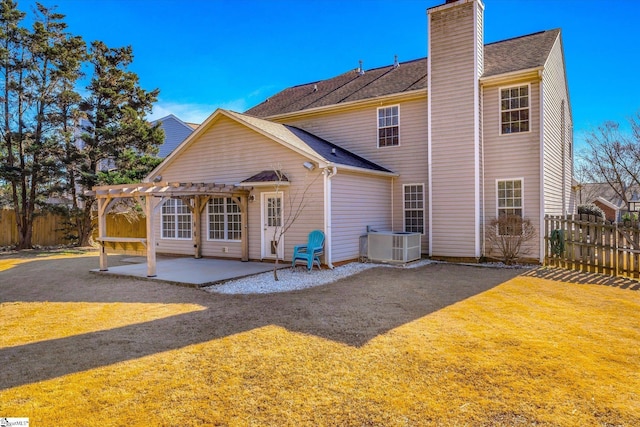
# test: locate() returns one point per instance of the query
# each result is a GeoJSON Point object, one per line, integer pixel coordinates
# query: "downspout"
{"type": "Point", "coordinates": [542, 130]}
{"type": "Point", "coordinates": [563, 141]}
{"type": "Point", "coordinates": [328, 173]}
{"type": "Point", "coordinates": [393, 181]}
{"type": "Point", "coordinates": [429, 138]}
{"type": "Point", "coordinates": [482, 182]}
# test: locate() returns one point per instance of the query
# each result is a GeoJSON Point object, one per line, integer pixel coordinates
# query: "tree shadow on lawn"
{"type": "Point", "coordinates": [352, 311]}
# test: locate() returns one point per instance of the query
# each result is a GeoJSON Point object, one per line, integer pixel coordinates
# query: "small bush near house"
{"type": "Point", "coordinates": [507, 236]}
{"type": "Point", "coordinates": [591, 209]}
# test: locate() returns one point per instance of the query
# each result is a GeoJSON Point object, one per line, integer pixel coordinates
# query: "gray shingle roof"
{"type": "Point", "coordinates": [333, 153]}
{"type": "Point", "coordinates": [515, 54]}
{"type": "Point", "coordinates": [268, 176]}
{"type": "Point", "coordinates": [521, 53]}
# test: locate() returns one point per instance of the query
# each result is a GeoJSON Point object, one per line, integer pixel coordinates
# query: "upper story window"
{"type": "Point", "coordinates": [388, 126]}
{"type": "Point", "coordinates": [176, 220]}
{"type": "Point", "coordinates": [514, 109]}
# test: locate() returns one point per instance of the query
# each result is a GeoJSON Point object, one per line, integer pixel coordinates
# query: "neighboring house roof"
{"type": "Point", "coordinates": [303, 142]}
{"type": "Point", "coordinates": [175, 131]}
{"type": "Point", "coordinates": [521, 53]}
{"type": "Point", "coordinates": [594, 191]}
{"type": "Point", "coordinates": [606, 203]}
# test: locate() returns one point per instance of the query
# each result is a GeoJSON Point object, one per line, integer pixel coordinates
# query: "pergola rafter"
{"type": "Point", "coordinates": [194, 195]}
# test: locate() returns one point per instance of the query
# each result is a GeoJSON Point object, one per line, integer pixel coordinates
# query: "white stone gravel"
{"type": "Point", "coordinates": [298, 278]}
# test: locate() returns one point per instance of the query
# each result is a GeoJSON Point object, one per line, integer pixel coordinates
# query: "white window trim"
{"type": "Point", "coordinates": [378, 127]}
{"type": "Point", "coordinates": [404, 209]}
{"type": "Point", "coordinates": [175, 215]}
{"type": "Point", "coordinates": [521, 192]}
{"type": "Point", "coordinates": [500, 89]}
{"type": "Point", "coordinates": [226, 230]}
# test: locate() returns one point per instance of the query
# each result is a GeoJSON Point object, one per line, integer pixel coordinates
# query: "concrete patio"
{"type": "Point", "coordinates": [190, 271]}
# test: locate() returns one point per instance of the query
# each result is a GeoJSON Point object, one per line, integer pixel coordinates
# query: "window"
{"type": "Point", "coordinates": [176, 220]}
{"type": "Point", "coordinates": [225, 222]}
{"type": "Point", "coordinates": [514, 109]}
{"type": "Point", "coordinates": [388, 126]}
{"type": "Point", "coordinates": [510, 205]}
{"type": "Point", "coordinates": [414, 208]}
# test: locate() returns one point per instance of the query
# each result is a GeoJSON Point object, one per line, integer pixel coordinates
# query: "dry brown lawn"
{"type": "Point", "coordinates": [383, 348]}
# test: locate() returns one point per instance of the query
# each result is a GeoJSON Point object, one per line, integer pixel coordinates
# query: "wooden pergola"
{"type": "Point", "coordinates": [194, 195]}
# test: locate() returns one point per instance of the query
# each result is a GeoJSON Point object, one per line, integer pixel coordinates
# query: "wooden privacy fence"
{"type": "Point", "coordinates": [49, 230]}
{"type": "Point", "coordinates": [590, 244]}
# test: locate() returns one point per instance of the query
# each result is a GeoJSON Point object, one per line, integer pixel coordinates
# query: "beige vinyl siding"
{"type": "Point", "coordinates": [454, 117]}
{"type": "Point", "coordinates": [349, 219]}
{"type": "Point", "coordinates": [356, 131]}
{"type": "Point", "coordinates": [512, 156]}
{"type": "Point", "coordinates": [557, 140]}
{"type": "Point", "coordinates": [228, 153]}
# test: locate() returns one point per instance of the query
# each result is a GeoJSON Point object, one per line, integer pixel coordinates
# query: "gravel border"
{"type": "Point", "coordinates": [298, 278]}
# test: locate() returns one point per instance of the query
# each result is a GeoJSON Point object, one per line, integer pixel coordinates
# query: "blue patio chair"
{"type": "Point", "coordinates": [310, 252]}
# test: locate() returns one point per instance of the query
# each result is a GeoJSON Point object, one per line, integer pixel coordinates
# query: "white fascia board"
{"type": "Point", "coordinates": [363, 170]}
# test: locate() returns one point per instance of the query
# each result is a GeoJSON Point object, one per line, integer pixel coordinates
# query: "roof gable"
{"type": "Point", "coordinates": [312, 147]}
{"type": "Point", "coordinates": [517, 54]}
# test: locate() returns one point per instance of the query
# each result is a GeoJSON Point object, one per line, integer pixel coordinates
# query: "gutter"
{"type": "Point", "coordinates": [531, 72]}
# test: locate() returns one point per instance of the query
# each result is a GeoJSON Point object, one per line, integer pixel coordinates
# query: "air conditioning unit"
{"type": "Point", "coordinates": [394, 247]}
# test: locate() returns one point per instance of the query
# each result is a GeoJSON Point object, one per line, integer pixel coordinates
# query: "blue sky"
{"type": "Point", "coordinates": [205, 54]}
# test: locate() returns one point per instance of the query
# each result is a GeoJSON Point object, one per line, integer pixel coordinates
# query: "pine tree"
{"type": "Point", "coordinates": [116, 127]}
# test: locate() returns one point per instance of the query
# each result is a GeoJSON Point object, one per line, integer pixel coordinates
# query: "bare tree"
{"type": "Point", "coordinates": [507, 235]}
{"type": "Point", "coordinates": [586, 190]}
{"type": "Point", "coordinates": [295, 203]}
{"type": "Point", "coordinates": [612, 157]}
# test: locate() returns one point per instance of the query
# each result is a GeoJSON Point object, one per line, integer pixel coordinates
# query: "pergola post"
{"type": "Point", "coordinates": [199, 203]}
{"type": "Point", "coordinates": [102, 232]}
{"type": "Point", "coordinates": [244, 224]}
{"type": "Point", "coordinates": [151, 237]}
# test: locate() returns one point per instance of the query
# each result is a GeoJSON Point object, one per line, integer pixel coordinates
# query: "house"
{"type": "Point", "coordinates": [175, 131]}
{"type": "Point", "coordinates": [438, 146]}
{"type": "Point", "coordinates": [610, 200]}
